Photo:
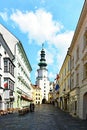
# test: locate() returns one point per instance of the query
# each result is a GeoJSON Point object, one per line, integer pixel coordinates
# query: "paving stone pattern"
{"type": "Point", "coordinates": [45, 117]}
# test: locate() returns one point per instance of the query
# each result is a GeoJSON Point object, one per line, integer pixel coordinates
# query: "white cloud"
{"type": "Point", "coordinates": [63, 39]}
{"type": "Point", "coordinates": [39, 25]}
{"type": "Point", "coordinates": [4, 16]}
{"type": "Point", "coordinates": [49, 57]}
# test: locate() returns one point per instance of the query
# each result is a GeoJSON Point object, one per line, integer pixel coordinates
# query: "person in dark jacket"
{"type": "Point", "coordinates": [32, 107]}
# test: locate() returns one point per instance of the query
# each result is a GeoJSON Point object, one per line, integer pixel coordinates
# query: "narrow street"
{"type": "Point", "coordinates": [45, 117]}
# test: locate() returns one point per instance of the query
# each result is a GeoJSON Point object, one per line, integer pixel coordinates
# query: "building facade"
{"type": "Point", "coordinates": [37, 97]}
{"type": "Point", "coordinates": [64, 83]}
{"type": "Point", "coordinates": [78, 52]}
{"type": "Point", "coordinates": [7, 79]}
{"type": "Point", "coordinates": [50, 95]}
{"type": "Point", "coordinates": [78, 69]}
{"type": "Point", "coordinates": [22, 86]}
{"type": "Point", "coordinates": [42, 77]}
{"type": "Point", "coordinates": [23, 93]}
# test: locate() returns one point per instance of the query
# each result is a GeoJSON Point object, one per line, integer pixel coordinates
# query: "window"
{"type": "Point", "coordinates": [68, 83]}
{"type": "Point", "coordinates": [72, 81]}
{"type": "Point", "coordinates": [77, 79]}
{"type": "Point", "coordinates": [0, 61]}
{"type": "Point", "coordinates": [8, 66]}
{"type": "Point", "coordinates": [11, 93]}
{"type": "Point", "coordinates": [85, 40]}
{"type": "Point", "coordinates": [72, 62]}
{"type": "Point", "coordinates": [5, 83]}
{"type": "Point", "coordinates": [5, 52]}
{"type": "Point", "coordinates": [68, 65]}
{"type": "Point", "coordinates": [8, 84]}
{"type": "Point", "coordinates": [77, 54]}
{"type": "Point", "coordinates": [65, 71]}
{"type": "Point", "coordinates": [5, 65]}
{"type": "Point", "coordinates": [85, 71]}
{"type": "Point", "coordinates": [0, 80]}
{"type": "Point", "coordinates": [65, 85]}
{"type": "Point", "coordinates": [13, 70]}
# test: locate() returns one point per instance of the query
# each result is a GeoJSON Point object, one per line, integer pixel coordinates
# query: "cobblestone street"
{"type": "Point", "coordinates": [45, 117]}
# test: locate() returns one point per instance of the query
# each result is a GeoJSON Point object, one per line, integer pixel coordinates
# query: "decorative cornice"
{"type": "Point", "coordinates": [21, 49]}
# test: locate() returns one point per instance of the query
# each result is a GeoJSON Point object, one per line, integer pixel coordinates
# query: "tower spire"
{"type": "Point", "coordinates": [42, 45]}
{"type": "Point", "coordinates": [42, 62]}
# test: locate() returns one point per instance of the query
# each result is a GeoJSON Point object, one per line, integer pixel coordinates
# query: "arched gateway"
{"type": "Point", "coordinates": [43, 101]}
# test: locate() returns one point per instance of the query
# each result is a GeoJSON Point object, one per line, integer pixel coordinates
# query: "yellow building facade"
{"type": "Point", "coordinates": [78, 52]}
{"type": "Point", "coordinates": [64, 83]}
{"type": "Point", "coordinates": [77, 76]}
{"type": "Point", "coordinates": [36, 93]}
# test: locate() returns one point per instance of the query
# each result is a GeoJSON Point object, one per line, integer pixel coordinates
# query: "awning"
{"type": "Point", "coordinates": [26, 98]}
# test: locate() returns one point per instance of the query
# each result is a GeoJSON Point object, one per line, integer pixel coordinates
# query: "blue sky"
{"type": "Point", "coordinates": [34, 22]}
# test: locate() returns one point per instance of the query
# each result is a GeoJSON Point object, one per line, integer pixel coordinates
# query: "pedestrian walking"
{"type": "Point", "coordinates": [32, 107]}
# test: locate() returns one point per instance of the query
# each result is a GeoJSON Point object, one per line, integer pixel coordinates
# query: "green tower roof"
{"type": "Point", "coordinates": [42, 62]}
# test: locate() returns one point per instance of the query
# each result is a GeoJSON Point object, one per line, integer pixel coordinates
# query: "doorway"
{"type": "Point", "coordinates": [44, 101]}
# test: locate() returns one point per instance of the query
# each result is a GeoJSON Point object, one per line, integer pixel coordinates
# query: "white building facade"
{"type": "Point", "coordinates": [7, 79]}
{"type": "Point", "coordinates": [23, 91]}
{"type": "Point", "coordinates": [22, 86]}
